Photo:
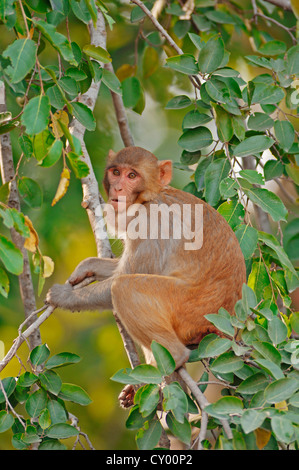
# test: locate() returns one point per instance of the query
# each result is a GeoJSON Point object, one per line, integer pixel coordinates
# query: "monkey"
{"type": "Point", "coordinates": [161, 288]}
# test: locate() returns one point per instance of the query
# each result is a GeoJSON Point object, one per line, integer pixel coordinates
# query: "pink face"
{"type": "Point", "coordinates": [125, 184]}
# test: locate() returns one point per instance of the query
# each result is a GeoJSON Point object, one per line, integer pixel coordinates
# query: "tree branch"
{"type": "Point", "coordinates": [92, 200]}
{"type": "Point", "coordinates": [285, 4]}
{"type": "Point", "coordinates": [121, 114]}
{"type": "Point", "coordinates": [201, 400]}
{"type": "Point", "coordinates": [8, 176]}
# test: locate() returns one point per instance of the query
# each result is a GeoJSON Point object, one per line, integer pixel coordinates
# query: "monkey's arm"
{"type": "Point", "coordinates": [92, 297]}
{"type": "Point", "coordinates": [100, 268]}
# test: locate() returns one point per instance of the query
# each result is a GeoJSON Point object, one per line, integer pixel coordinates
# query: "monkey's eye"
{"type": "Point", "coordinates": [115, 172]}
{"type": "Point", "coordinates": [132, 175]}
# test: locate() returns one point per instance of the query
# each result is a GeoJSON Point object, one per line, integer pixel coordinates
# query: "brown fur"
{"type": "Point", "coordinates": [159, 290]}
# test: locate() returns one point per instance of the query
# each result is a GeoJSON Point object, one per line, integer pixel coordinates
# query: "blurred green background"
{"type": "Point", "coordinates": [66, 236]}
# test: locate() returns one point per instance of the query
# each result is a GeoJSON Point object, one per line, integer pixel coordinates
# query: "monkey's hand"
{"type": "Point", "coordinates": [60, 295]}
{"type": "Point", "coordinates": [126, 396]}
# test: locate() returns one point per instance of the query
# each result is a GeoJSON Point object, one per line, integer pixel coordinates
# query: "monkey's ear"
{"type": "Point", "coordinates": [165, 168]}
{"type": "Point", "coordinates": [111, 154]}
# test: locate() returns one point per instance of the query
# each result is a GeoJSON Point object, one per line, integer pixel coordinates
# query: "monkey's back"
{"type": "Point", "coordinates": [213, 274]}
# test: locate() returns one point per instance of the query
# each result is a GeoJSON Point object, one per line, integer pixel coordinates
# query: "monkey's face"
{"type": "Point", "coordinates": [125, 184]}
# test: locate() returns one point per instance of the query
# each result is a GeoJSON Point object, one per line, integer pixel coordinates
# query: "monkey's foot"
{"type": "Point", "coordinates": [126, 396]}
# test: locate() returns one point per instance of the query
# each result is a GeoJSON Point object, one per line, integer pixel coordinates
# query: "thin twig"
{"type": "Point", "coordinates": [200, 397]}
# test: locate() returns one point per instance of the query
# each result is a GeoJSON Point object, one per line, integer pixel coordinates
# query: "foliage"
{"type": "Point", "coordinates": [231, 120]}
{"type": "Point", "coordinates": [42, 396]}
{"type": "Point", "coordinates": [255, 361]}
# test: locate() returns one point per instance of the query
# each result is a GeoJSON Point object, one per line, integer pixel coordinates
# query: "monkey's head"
{"type": "Point", "coordinates": [136, 174]}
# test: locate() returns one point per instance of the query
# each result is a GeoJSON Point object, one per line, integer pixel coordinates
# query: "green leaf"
{"type": "Point", "coordinates": [132, 91]}
{"type": "Point", "coordinates": [227, 362]}
{"type": "Point", "coordinates": [178, 102]}
{"type": "Point", "coordinates": [293, 60]}
{"type": "Point", "coordinates": [75, 394]}
{"type": "Point", "coordinates": [80, 168]}
{"type": "Point", "coordinates": [253, 384]}
{"type": "Point", "coordinates": [247, 237]}
{"type": "Point", "coordinates": [51, 381]}
{"type": "Point", "coordinates": [9, 385]}
{"type": "Point", "coordinates": [273, 243]}
{"type": "Point", "coordinates": [252, 176]}
{"type": "Point", "coordinates": [146, 373]}
{"type": "Point", "coordinates": [180, 430]}
{"type": "Point", "coordinates": [53, 154]}
{"type": "Point", "coordinates": [22, 54]}
{"type": "Point", "coordinates": [30, 192]}
{"type": "Point", "coordinates": [196, 139]}
{"type": "Point", "coordinates": [285, 134]}
{"type": "Point", "coordinates": [280, 390]}
{"type": "Point", "coordinates": [57, 412]}
{"type": "Point", "coordinates": [148, 438]}
{"type": "Point", "coordinates": [267, 94]}
{"type": "Point", "coordinates": [135, 420]}
{"type": "Point", "coordinates": [273, 48]}
{"type": "Point", "coordinates": [62, 359]}
{"type": "Point", "coordinates": [149, 399]}
{"type": "Point", "coordinates": [252, 419]}
{"type": "Point", "coordinates": [277, 330]}
{"type": "Point", "coordinates": [52, 444]}
{"type": "Point", "coordinates": [81, 11]}
{"type": "Point", "coordinates": [84, 115]}
{"type": "Point", "coordinates": [124, 376]}
{"type": "Point", "coordinates": [283, 429]}
{"type": "Point", "coordinates": [175, 400]}
{"type": "Point", "coordinates": [62, 431]}
{"type": "Point", "coordinates": [225, 406]}
{"type": "Point", "coordinates": [211, 55]}
{"type": "Point", "coordinates": [270, 367]}
{"type": "Point", "coordinates": [224, 123]}
{"type": "Point", "coordinates": [57, 40]}
{"type": "Point", "coordinates": [223, 324]}
{"type": "Point", "coordinates": [39, 355]}
{"type": "Point", "coordinates": [273, 169]}
{"type": "Point", "coordinates": [164, 360]}
{"type": "Point", "coordinates": [184, 63]}
{"type": "Point", "coordinates": [219, 16]}
{"type": "Point", "coordinates": [215, 173]}
{"type": "Point", "coordinates": [232, 211]}
{"type": "Point", "coordinates": [27, 379]}
{"type": "Point", "coordinates": [200, 352]}
{"type": "Point", "coordinates": [36, 114]}
{"type": "Point", "coordinates": [217, 347]}
{"type": "Point", "coordinates": [195, 119]}
{"type": "Point", "coordinates": [11, 256]}
{"type": "Point", "coordinates": [97, 53]}
{"type": "Point", "coordinates": [260, 122]}
{"type": "Point", "coordinates": [111, 81]}
{"type": "Point", "coordinates": [268, 201]}
{"type": "Point", "coordinates": [36, 403]}
{"type": "Point", "coordinates": [6, 421]}
{"type": "Point", "coordinates": [253, 145]}
{"type": "Point", "coordinates": [228, 187]}
{"type": "Point", "coordinates": [44, 420]}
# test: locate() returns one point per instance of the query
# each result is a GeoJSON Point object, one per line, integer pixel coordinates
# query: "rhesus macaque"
{"type": "Point", "coordinates": [161, 287]}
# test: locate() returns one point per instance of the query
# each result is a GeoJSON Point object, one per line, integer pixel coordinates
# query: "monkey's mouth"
{"type": "Point", "coordinates": [118, 203]}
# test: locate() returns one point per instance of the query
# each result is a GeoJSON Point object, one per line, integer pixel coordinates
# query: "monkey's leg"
{"type": "Point", "coordinates": [100, 268]}
{"type": "Point", "coordinates": [92, 297]}
{"type": "Point", "coordinates": [144, 305]}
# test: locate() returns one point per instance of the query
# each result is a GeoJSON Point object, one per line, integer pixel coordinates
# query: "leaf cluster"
{"type": "Point", "coordinates": [42, 396]}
